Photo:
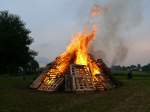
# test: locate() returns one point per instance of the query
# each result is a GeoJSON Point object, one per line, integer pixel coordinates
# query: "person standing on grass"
{"type": "Point", "coordinates": [130, 74]}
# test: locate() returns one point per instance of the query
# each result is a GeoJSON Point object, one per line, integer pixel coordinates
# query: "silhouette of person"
{"type": "Point", "coordinates": [130, 75]}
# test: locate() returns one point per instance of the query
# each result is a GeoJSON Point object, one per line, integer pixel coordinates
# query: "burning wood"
{"type": "Point", "coordinates": [75, 68]}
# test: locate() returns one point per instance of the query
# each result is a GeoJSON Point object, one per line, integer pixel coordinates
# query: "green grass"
{"type": "Point", "coordinates": [133, 96]}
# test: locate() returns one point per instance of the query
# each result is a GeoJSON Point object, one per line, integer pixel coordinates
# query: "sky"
{"type": "Point", "coordinates": [53, 22]}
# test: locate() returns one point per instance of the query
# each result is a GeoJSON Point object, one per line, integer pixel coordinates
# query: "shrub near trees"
{"type": "Point", "coordinates": [15, 54]}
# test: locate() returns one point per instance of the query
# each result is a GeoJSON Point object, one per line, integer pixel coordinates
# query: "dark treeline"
{"type": "Point", "coordinates": [138, 67]}
{"type": "Point", "coordinates": [15, 53]}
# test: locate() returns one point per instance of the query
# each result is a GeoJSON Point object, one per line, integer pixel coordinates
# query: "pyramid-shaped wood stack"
{"type": "Point", "coordinates": [76, 78]}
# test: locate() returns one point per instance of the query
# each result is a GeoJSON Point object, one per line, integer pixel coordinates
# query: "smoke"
{"type": "Point", "coordinates": [117, 18]}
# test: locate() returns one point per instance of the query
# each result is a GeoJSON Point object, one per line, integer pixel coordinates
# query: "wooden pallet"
{"type": "Point", "coordinates": [81, 78]}
{"type": "Point", "coordinates": [49, 80]}
{"type": "Point", "coordinates": [37, 82]}
{"type": "Point", "coordinates": [56, 82]}
{"type": "Point", "coordinates": [99, 83]}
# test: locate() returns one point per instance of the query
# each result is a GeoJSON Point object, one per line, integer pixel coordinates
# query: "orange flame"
{"type": "Point", "coordinates": [78, 49]}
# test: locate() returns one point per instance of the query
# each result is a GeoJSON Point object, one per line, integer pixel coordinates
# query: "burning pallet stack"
{"type": "Point", "coordinates": [76, 69]}
{"type": "Point", "coordinates": [76, 79]}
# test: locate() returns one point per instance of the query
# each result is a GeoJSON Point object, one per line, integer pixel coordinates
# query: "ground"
{"type": "Point", "coordinates": [132, 96]}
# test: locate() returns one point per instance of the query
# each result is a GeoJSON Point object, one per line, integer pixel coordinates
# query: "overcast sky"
{"type": "Point", "coordinates": [53, 22]}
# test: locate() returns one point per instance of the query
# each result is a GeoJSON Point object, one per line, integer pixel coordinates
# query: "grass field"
{"type": "Point", "coordinates": [133, 96]}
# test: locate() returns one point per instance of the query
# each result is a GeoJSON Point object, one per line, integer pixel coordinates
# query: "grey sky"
{"type": "Point", "coordinates": [53, 22]}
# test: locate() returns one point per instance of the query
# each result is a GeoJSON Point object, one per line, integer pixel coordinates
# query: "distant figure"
{"type": "Point", "coordinates": [130, 75]}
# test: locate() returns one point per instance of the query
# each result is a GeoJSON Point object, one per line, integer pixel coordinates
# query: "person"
{"type": "Point", "coordinates": [130, 75]}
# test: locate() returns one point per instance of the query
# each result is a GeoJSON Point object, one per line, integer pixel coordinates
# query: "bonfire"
{"type": "Point", "coordinates": [76, 69]}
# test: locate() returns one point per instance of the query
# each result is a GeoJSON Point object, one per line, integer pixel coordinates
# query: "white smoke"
{"type": "Point", "coordinates": [118, 18]}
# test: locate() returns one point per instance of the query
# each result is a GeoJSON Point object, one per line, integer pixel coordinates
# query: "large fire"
{"type": "Point", "coordinates": [77, 51]}
{"type": "Point", "coordinates": [76, 67]}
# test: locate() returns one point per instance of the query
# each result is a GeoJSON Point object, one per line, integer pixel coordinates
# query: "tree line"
{"type": "Point", "coordinates": [15, 40]}
{"type": "Point", "coordinates": [138, 67]}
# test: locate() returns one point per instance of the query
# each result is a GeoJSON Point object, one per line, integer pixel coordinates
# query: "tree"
{"type": "Point", "coordinates": [146, 68]}
{"type": "Point", "coordinates": [32, 67]}
{"type": "Point", "coordinates": [14, 43]}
